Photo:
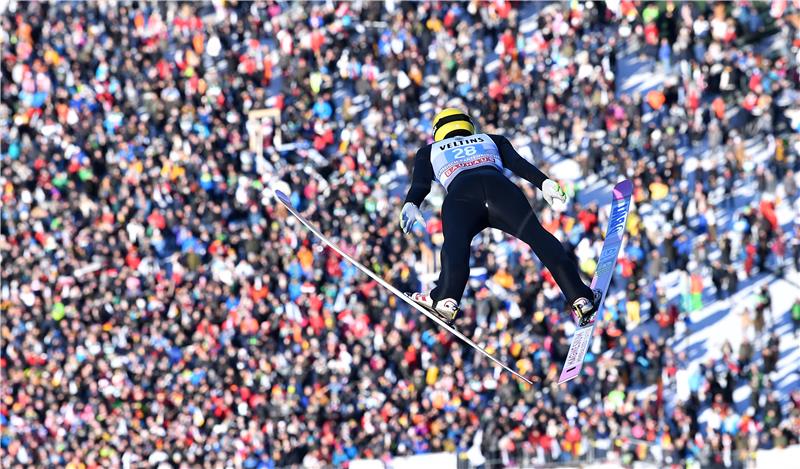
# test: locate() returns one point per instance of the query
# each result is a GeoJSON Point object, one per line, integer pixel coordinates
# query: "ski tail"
{"type": "Point", "coordinates": [284, 200]}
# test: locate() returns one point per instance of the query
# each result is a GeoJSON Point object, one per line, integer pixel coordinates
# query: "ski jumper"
{"type": "Point", "coordinates": [480, 196]}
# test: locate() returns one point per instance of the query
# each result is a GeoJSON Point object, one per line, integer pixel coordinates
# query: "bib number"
{"type": "Point", "coordinates": [461, 152]}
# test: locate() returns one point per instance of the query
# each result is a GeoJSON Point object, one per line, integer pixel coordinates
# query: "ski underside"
{"type": "Point", "coordinates": [582, 338]}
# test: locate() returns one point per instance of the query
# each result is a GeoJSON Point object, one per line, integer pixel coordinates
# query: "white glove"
{"type": "Point", "coordinates": [552, 192]}
{"type": "Point", "coordinates": [409, 215]}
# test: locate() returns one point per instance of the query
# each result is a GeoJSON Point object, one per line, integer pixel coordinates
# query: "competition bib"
{"type": "Point", "coordinates": [451, 156]}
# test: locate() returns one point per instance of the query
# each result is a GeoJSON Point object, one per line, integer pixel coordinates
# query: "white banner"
{"type": "Point", "coordinates": [437, 460]}
{"type": "Point", "coordinates": [770, 458]}
{"type": "Point", "coordinates": [366, 464]}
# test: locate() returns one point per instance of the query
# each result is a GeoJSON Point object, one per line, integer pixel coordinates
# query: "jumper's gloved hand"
{"type": "Point", "coordinates": [552, 192]}
{"type": "Point", "coordinates": [409, 215]}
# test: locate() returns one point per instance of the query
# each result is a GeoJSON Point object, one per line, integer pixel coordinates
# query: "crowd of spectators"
{"type": "Point", "coordinates": [157, 308]}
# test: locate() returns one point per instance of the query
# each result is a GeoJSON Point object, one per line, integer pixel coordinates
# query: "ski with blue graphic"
{"type": "Point", "coordinates": [621, 201]}
{"type": "Point", "coordinates": [284, 200]}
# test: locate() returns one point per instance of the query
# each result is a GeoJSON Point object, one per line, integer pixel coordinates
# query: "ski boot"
{"type": "Point", "coordinates": [445, 309]}
{"type": "Point", "coordinates": [584, 311]}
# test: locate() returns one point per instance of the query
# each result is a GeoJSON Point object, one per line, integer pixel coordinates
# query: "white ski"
{"type": "Point", "coordinates": [621, 201]}
{"type": "Point", "coordinates": [284, 200]}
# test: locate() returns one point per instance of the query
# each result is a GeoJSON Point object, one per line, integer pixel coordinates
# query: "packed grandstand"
{"type": "Point", "coordinates": [158, 309]}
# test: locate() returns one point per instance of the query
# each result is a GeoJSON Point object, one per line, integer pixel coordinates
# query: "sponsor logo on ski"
{"type": "Point", "coordinates": [608, 257]}
{"type": "Point", "coordinates": [578, 347]}
{"type": "Point", "coordinates": [618, 213]}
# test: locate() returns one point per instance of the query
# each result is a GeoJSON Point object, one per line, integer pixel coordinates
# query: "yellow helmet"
{"type": "Point", "coordinates": [450, 120]}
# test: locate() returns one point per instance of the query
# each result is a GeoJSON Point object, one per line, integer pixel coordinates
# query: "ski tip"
{"type": "Point", "coordinates": [624, 187]}
{"type": "Point", "coordinates": [279, 194]}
